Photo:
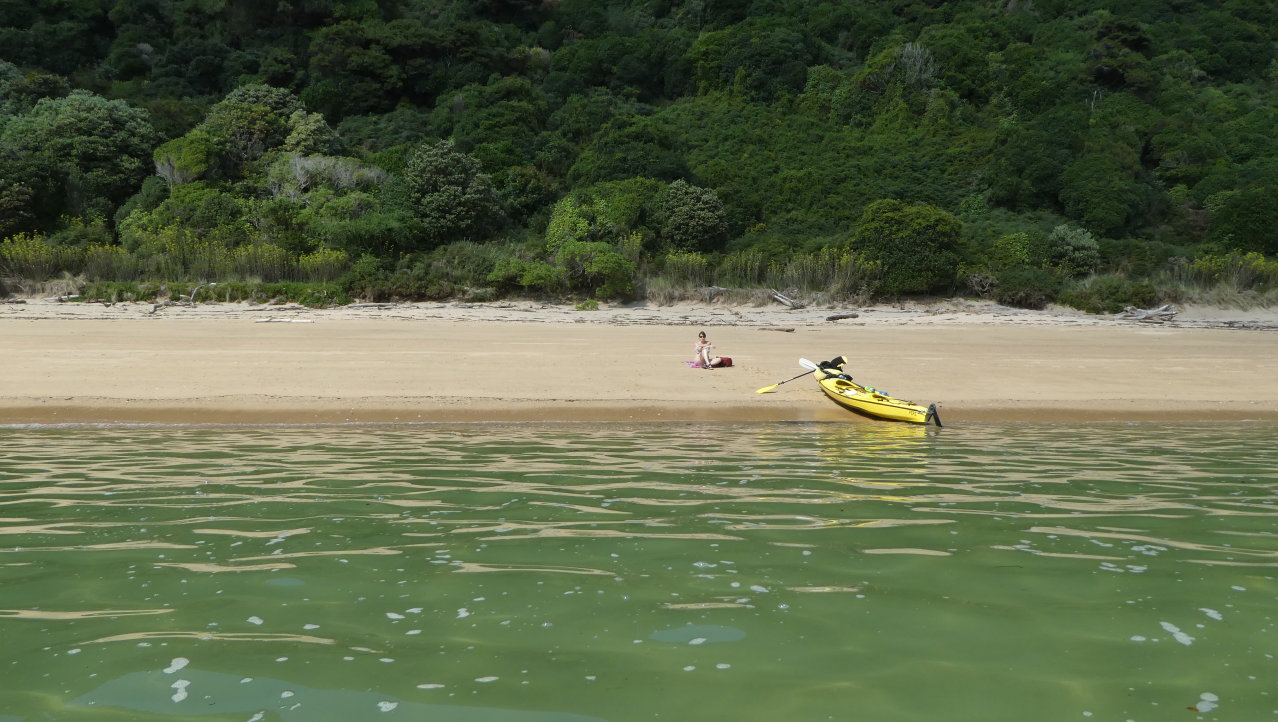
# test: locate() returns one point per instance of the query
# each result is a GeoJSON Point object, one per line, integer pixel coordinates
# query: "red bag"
{"type": "Point", "coordinates": [724, 361]}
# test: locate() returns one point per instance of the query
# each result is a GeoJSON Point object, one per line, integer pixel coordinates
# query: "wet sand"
{"type": "Point", "coordinates": [239, 363]}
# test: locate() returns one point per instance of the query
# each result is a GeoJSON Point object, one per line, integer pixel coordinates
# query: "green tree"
{"type": "Point", "coordinates": [1101, 189]}
{"type": "Point", "coordinates": [640, 149]}
{"type": "Point", "coordinates": [100, 147]}
{"type": "Point", "coordinates": [197, 210]}
{"type": "Point", "coordinates": [691, 218]}
{"type": "Point", "coordinates": [1030, 156]}
{"type": "Point", "coordinates": [19, 90]}
{"type": "Point", "coordinates": [603, 212]}
{"type": "Point", "coordinates": [353, 72]}
{"type": "Point", "coordinates": [916, 244]}
{"type": "Point", "coordinates": [251, 120]}
{"type": "Point", "coordinates": [238, 131]}
{"type": "Point", "coordinates": [309, 134]}
{"type": "Point", "coordinates": [1246, 220]}
{"type": "Point", "coordinates": [584, 114]}
{"type": "Point", "coordinates": [759, 58]}
{"type": "Point", "coordinates": [500, 120]}
{"type": "Point", "coordinates": [448, 192]}
{"type": "Point", "coordinates": [597, 268]}
{"type": "Point", "coordinates": [30, 195]}
{"type": "Point", "coordinates": [1072, 251]}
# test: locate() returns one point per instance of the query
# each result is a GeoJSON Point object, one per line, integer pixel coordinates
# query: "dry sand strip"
{"type": "Point", "coordinates": [225, 363]}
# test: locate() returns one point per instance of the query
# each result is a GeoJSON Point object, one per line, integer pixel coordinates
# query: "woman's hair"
{"type": "Point", "coordinates": [702, 334]}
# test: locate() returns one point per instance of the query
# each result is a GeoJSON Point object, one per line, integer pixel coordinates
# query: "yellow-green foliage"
{"type": "Point", "coordinates": [104, 262]}
{"type": "Point", "coordinates": [1239, 270]}
{"type": "Point", "coordinates": [1012, 249]}
{"type": "Point", "coordinates": [742, 268]}
{"type": "Point", "coordinates": [631, 246]}
{"type": "Point", "coordinates": [566, 224]}
{"type": "Point", "coordinates": [264, 261]}
{"type": "Point", "coordinates": [833, 270]}
{"type": "Point", "coordinates": [30, 256]}
{"type": "Point", "coordinates": [686, 267]}
{"type": "Point", "coordinates": [186, 255]}
{"type": "Point", "coordinates": [324, 264]}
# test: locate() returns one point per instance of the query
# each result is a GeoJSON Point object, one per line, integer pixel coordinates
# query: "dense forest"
{"type": "Point", "coordinates": [1031, 151]}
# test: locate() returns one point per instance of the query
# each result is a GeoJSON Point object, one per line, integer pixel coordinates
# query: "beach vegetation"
{"type": "Point", "coordinates": [307, 294]}
{"type": "Point", "coordinates": [1026, 287]}
{"type": "Point", "coordinates": [668, 151]}
{"type": "Point", "coordinates": [25, 255]}
{"type": "Point", "coordinates": [1109, 293]}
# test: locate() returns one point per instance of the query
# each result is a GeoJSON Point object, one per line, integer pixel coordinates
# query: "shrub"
{"type": "Point", "coordinates": [1236, 270]}
{"type": "Point", "coordinates": [1013, 249]}
{"type": "Point", "coordinates": [122, 291]}
{"type": "Point", "coordinates": [597, 269]}
{"type": "Point", "coordinates": [463, 263]}
{"type": "Point", "coordinates": [30, 257]}
{"type": "Point", "coordinates": [978, 279]}
{"type": "Point", "coordinates": [742, 268]}
{"type": "Point", "coordinates": [306, 294]}
{"type": "Point", "coordinates": [324, 264]}
{"type": "Point", "coordinates": [916, 244]}
{"type": "Point", "coordinates": [835, 271]}
{"type": "Point", "coordinates": [530, 275]}
{"type": "Point", "coordinates": [1110, 294]}
{"type": "Point", "coordinates": [104, 262]}
{"type": "Point", "coordinates": [364, 278]}
{"type": "Point", "coordinates": [1073, 251]}
{"type": "Point", "coordinates": [262, 260]}
{"type": "Point", "coordinates": [686, 267]}
{"type": "Point", "coordinates": [1026, 287]}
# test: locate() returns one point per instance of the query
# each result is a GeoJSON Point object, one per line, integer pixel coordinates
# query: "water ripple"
{"type": "Point", "coordinates": [548, 553]}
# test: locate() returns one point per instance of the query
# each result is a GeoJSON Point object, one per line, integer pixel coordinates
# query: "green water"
{"type": "Point", "coordinates": [537, 573]}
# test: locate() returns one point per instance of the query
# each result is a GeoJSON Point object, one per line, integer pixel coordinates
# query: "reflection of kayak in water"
{"type": "Point", "coordinates": [866, 400]}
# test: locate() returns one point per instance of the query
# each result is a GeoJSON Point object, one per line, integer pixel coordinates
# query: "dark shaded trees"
{"type": "Point", "coordinates": [446, 191]}
{"type": "Point", "coordinates": [917, 245]}
{"type": "Point", "coordinates": [100, 149]}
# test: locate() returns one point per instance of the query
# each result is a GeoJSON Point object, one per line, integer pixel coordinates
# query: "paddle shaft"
{"type": "Point", "coordinates": [773, 386]}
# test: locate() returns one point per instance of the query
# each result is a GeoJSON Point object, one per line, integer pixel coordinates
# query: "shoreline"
{"type": "Point", "coordinates": [214, 364]}
{"type": "Point", "coordinates": [430, 411]}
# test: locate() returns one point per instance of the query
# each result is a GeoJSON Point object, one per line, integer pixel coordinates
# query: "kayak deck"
{"type": "Point", "coordinates": [867, 400]}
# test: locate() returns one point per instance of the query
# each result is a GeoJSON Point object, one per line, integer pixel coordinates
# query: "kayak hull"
{"type": "Point", "coordinates": [868, 401]}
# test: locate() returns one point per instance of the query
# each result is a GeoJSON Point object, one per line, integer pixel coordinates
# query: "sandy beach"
{"type": "Point", "coordinates": [68, 363]}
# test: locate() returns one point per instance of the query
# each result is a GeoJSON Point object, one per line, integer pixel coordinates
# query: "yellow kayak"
{"type": "Point", "coordinates": [867, 400]}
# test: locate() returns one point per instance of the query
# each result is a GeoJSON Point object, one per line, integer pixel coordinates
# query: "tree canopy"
{"type": "Point", "coordinates": [921, 135]}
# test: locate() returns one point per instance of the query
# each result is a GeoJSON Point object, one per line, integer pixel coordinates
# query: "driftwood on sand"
{"type": "Point", "coordinates": [1152, 315]}
{"type": "Point", "coordinates": [841, 316]}
{"type": "Point", "coordinates": [782, 298]}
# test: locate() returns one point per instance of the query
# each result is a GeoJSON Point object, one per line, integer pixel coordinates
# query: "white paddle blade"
{"type": "Point", "coordinates": [808, 364]}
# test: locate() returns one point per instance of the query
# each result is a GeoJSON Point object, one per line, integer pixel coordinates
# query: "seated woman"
{"type": "Point", "coordinates": [704, 350]}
